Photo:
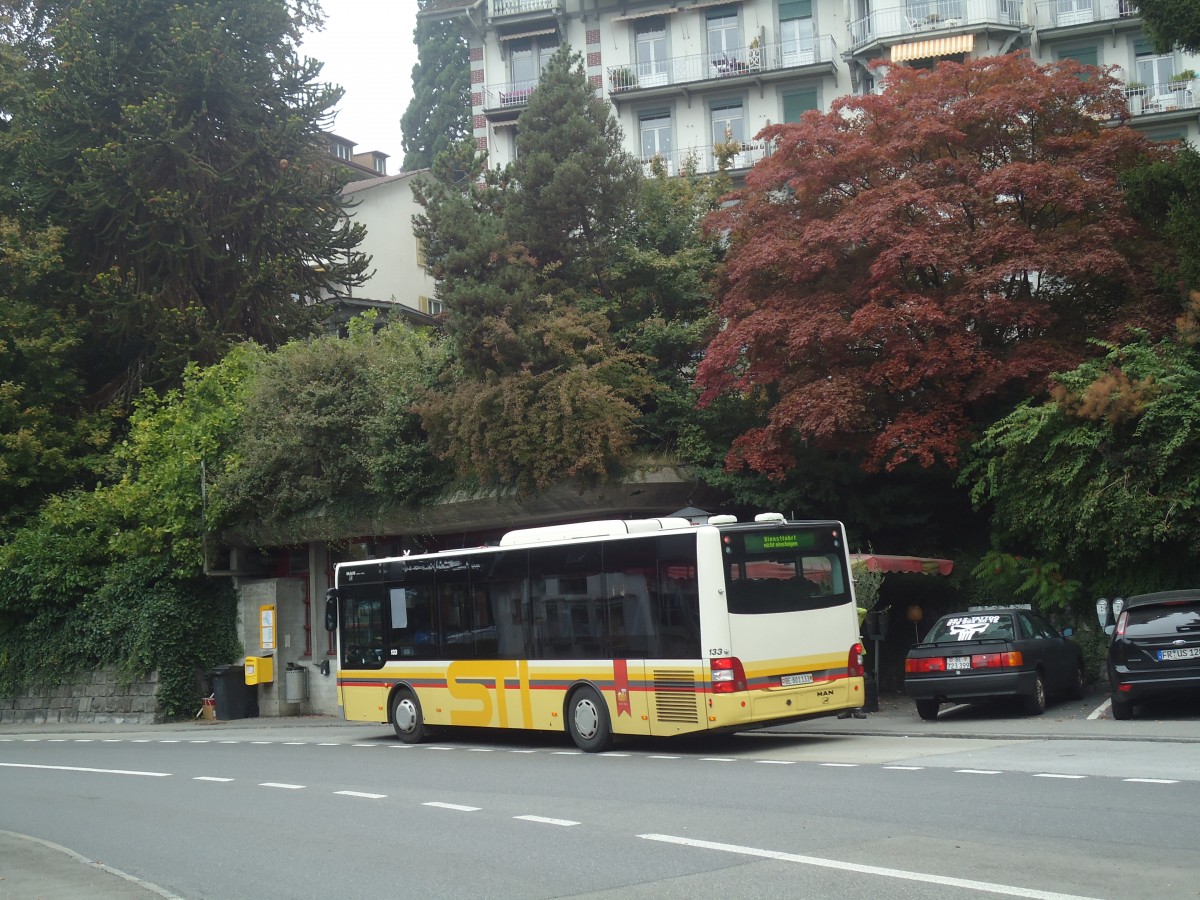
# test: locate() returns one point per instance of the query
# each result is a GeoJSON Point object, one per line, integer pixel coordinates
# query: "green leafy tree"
{"type": "Point", "coordinates": [178, 146]}
{"type": "Point", "coordinates": [329, 428]}
{"type": "Point", "coordinates": [439, 114]}
{"type": "Point", "coordinates": [540, 390]}
{"type": "Point", "coordinates": [906, 267]}
{"type": "Point", "coordinates": [1098, 485]}
{"type": "Point", "coordinates": [114, 575]}
{"type": "Point", "coordinates": [46, 440]}
{"type": "Point", "coordinates": [1172, 23]}
{"type": "Point", "coordinates": [1166, 194]}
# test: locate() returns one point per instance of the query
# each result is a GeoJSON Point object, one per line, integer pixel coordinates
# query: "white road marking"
{"type": "Point", "coordinates": [966, 883]}
{"type": "Point", "coordinates": [277, 784]}
{"type": "Point", "coordinates": [664, 757]}
{"type": "Point", "coordinates": [438, 748]}
{"type": "Point", "coordinates": [841, 765]}
{"type": "Point", "coordinates": [365, 796]}
{"type": "Point", "coordinates": [481, 749]}
{"type": "Point", "coordinates": [1101, 711]}
{"type": "Point", "coordinates": [85, 769]}
{"type": "Point", "coordinates": [362, 745]}
{"type": "Point", "coordinates": [977, 771]}
{"type": "Point", "coordinates": [57, 740]}
{"type": "Point", "coordinates": [455, 806]}
{"type": "Point", "coordinates": [905, 768]}
{"type": "Point", "coordinates": [329, 744]}
{"type": "Point", "coordinates": [614, 754]}
{"type": "Point", "coordinates": [230, 742]}
{"type": "Point", "coordinates": [84, 740]}
{"type": "Point", "coordinates": [567, 752]}
{"type": "Point", "coordinates": [717, 759]}
{"type": "Point", "coordinates": [294, 743]}
{"type": "Point", "coordinates": [545, 821]}
{"type": "Point", "coordinates": [1055, 775]}
{"type": "Point", "coordinates": [262, 742]}
{"type": "Point", "coordinates": [169, 741]}
{"type": "Point", "coordinates": [211, 778]}
{"type": "Point", "coordinates": [1151, 780]}
{"type": "Point", "coordinates": [113, 740]}
{"type": "Point", "coordinates": [205, 741]}
{"type": "Point", "coordinates": [522, 751]}
{"type": "Point", "coordinates": [776, 762]}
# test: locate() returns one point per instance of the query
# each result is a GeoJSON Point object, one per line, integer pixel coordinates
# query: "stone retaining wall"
{"type": "Point", "coordinates": [95, 697]}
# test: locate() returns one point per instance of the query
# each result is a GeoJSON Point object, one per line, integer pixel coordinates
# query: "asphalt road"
{"type": "Point", "coordinates": [976, 804]}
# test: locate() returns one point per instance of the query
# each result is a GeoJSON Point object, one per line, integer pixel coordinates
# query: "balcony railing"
{"type": "Point", "coordinates": [497, 8]}
{"type": "Point", "coordinates": [1166, 96]}
{"type": "Point", "coordinates": [920, 17]}
{"type": "Point", "coordinates": [1064, 13]}
{"type": "Point", "coordinates": [705, 160]}
{"type": "Point", "coordinates": [513, 94]}
{"type": "Point", "coordinates": [705, 67]}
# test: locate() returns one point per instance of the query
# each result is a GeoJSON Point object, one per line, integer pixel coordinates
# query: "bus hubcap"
{"type": "Point", "coordinates": [586, 718]}
{"type": "Point", "coordinates": [406, 715]}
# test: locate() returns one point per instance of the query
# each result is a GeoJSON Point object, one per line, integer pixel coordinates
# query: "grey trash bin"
{"type": "Point", "coordinates": [295, 684]}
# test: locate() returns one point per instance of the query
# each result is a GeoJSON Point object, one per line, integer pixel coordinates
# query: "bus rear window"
{"type": "Point", "coordinates": [784, 571]}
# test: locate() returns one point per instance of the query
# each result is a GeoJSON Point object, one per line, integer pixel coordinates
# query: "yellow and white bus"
{"type": "Point", "coordinates": [638, 627]}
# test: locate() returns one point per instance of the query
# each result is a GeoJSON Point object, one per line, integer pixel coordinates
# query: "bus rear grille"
{"type": "Point", "coordinates": [675, 698]}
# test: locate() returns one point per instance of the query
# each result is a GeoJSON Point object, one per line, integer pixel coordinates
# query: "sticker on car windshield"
{"type": "Point", "coordinates": [967, 628]}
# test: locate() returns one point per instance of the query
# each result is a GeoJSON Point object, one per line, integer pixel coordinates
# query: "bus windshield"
{"type": "Point", "coordinates": [788, 569]}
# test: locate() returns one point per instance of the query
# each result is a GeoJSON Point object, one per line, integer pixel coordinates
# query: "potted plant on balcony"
{"type": "Point", "coordinates": [1181, 80]}
{"type": "Point", "coordinates": [623, 79]}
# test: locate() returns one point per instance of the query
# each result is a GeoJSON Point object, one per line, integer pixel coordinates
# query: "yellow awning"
{"type": "Point", "coordinates": [943, 46]}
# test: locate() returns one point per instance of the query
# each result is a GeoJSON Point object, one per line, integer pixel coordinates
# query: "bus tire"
{"type": "Point", "coordinates": [407, 718]}
{"type": "Point", "coordinates": [588, 721]}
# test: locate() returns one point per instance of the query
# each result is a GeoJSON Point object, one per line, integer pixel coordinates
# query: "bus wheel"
{"type": "Point", "coordinates": [587, 720]}
{"type": "Point", "coordinates": [407, 718]}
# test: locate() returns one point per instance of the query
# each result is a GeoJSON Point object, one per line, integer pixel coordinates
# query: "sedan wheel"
{"type": "Point", "coordinates": [927, 709]}
{"type": "Point", "coordinates": [1035, 703]}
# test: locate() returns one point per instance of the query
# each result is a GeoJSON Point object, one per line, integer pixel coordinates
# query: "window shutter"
{"type": "Point", "coordinates": [795, 103]}
{"type": "Point", "coordinates": [795, 9]}
{"type": "Point", "coordinates": [1088, 56]}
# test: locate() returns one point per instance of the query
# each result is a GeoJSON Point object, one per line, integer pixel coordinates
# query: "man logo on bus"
{"type": "Point", "coordinates": [969, 629]}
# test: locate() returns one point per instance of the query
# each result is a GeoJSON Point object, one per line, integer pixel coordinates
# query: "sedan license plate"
{"type": "Point", "coordinates": [790, 680]}
{"type": "Point", "coordinates": [1183, 653]}
{"type": "Point", "coordinates": [958, 662]}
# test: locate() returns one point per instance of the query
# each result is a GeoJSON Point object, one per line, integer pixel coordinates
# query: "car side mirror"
{"type": "Point", "coordinates": [1109, 629]}
{"type": "Point", "coordinates": [331, 615]}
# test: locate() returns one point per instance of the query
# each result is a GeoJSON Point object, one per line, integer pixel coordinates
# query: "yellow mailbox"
{"type": "Point", "coordinates": [260, 669]}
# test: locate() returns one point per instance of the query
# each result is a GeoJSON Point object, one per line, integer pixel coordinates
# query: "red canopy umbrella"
{"type": "Point", "coordinates": [920, 565]}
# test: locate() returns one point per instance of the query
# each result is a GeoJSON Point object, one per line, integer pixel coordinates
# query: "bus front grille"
{"type": "Point", "coordinates": [675, 698]}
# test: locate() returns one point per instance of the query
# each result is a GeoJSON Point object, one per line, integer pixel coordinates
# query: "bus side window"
{"type": "Point", "coordinates": [412, 634]}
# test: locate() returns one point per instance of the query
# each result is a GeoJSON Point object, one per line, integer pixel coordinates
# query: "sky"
{"type": "Point", "coordinates": [367, 47]}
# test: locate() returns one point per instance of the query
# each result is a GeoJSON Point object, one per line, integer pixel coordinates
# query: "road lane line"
{"type": "Point", "coordinates": [977, 772]}
{"type": "Point", "coordinates": [365, 796]}
{"type": "Point", "coordinates": [966, 883]}
{"type": "Point", "coordinates": [1151, 780]}
{"type": "Point", "coordinates": [86, 769]}
{"type": "Point", "coordinates": [904, 768]}
{"type": "Point", "coordinates": [776, 762]}
{"type": "Point", "coordinates": [455, 806]}
{"type": "Point", "coordinates": [211, 778]}
{"type": "Point", "coordinates": [664, 757]}
{"type": "Point", "coordinates": [546, 821]}
{"type": "Point", "coordinates": [278, 784]}
{"type": "Point", "coordinates": [1055, 775]}
{"type": "Point", "coordinates": [841, 765]}
{"type": "Point", "coordinates": [717, 759]}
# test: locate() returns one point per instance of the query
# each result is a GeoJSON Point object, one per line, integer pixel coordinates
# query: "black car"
{"type": "Point", "coordinates": [990, 653]}
{"type": "Point", "coordinates": [1155, 649]}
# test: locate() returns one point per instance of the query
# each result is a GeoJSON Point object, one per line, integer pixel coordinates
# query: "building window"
{"type": "Point", "coordinates": [797, 103]}
{"type": "Point", "coordinates": [729, 127]}
{"type": "Point", "coordinates": [725, 52]}
{"type": "Point", "coordinates": [655, 131]}
{"type": "Point", "coordinates": [341, 151]}
{"type": "Point", "coordinates": [1151, 68]}
{"type": "Point", "coordinates": [796, 32]}
{"type": "Point", "coordinates": [430, 305]}
{"type": "Point", "coordinates": [650, 43]}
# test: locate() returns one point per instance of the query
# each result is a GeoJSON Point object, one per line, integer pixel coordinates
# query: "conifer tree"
{"type": "Point", "coordinates": [439, 114]}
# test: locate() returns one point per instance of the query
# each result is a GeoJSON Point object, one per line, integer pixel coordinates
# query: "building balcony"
{"type": "Point", "coordinates": [667, 76]}
{"type": "Point", "coordinates": [1073, 13]}
{"type": "Point", "coordinates": [498, 9]}
{"type": "Point", "coordinates": [505, 101]}
{"type": "Point", "coordinates": [923, 18]}
{"type": "Point", "coordinates": [705, 160]}
{"type": "Point", "coordinates": [1165, 97]}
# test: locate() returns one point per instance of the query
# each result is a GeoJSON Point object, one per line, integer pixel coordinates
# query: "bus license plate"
{"type": "Point", "coordinates": [1185, 653]}
{"type": "Point", "coordinates": [958, 662]}
{"type": "Point", "coordinates": [789, 680]}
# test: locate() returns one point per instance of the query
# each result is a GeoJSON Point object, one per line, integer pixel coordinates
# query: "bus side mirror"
{"type": "Point", "coordinates": [331, 615]}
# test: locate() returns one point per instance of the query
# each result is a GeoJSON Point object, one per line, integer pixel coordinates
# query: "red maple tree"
{"type": "Point", "coordinates": [908, 265]}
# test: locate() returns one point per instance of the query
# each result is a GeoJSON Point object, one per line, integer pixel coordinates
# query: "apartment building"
{"type": "Point", "coordinates": [686, 75]}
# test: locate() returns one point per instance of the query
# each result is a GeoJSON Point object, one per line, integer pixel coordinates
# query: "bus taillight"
{"type": "Point", "coordinates": [728, 675]}
{"type": "Point", "coordinates": [854, 664]}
